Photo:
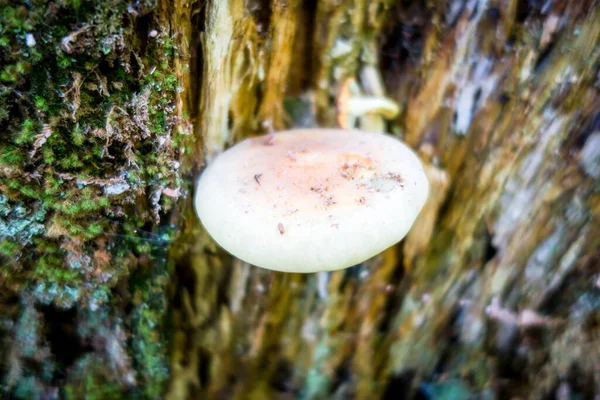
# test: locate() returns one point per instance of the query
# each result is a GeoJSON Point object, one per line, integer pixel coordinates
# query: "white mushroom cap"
{"type": "Point", "coordinates": [311, 200]}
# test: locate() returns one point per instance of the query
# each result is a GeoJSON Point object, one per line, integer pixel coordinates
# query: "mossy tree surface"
{"type": "Point", "coordinates": [108, 108]}
{"type": "Point", "coordinates": [94, 127]}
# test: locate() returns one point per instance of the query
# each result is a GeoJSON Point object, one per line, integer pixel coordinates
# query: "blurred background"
{"type": "Point", "coordinates": [111, 289]}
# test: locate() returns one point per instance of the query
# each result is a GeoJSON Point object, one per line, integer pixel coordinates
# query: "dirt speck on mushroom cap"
{"type": "Point", "coordinates": [309, 181]}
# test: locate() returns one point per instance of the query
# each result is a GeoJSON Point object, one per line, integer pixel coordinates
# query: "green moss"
{"type": "Point", "coordinates": [27, 133]}
{"type": "Point", "coordinates": [147, 320]}
{"type": "Point", "coordinates": [45, 246]}
{"type": "Point", "coordinates": [95, 382]}
{"type": "Point", "coordinates": [9, 73]}
{"type": "Point", "coordinates": [40, 103]}
{"type": "Point", "coordinates": [48, 155]}
{"type": "Point", "coordinates": [9, 248]}
{"type": "Point", "coordinates": [77, 136]}
{"type": "Point", "coordinates": [30, 191]}
{"type": "Point", "coordinates": [71, 161]}
{"type": "Point", "coordinates": [10, 156]}
{"type": "Point", "coordinates": [12, 183]}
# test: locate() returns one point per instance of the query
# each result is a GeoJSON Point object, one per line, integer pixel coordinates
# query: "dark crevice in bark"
{"type": "Point", "coordinates": [308, 51]}
{"type": "Point", "coordinates": [453, 11]}
{"type": "Point", "coordinates": [223, 288]}
{"type": "Point", "coordinates": [204, 361]}
{"type": "Point", "coordinates": [342, 375]}
{"type": "Point", "coordinates": [184, 281]}
{"type": "Point", "coordinates": [543, 58]}
{"type": "Point", "coordinates": [261, 11]}
{"type": "Point", "coordinates": [142, 27]}
{"type": "Point", "coordinates": [501, 346]}
{"type": "Point", "coordinates": [198, 23]}
{"type": "Point", "coordinates": [61, 334]}
{"type": "Point", "coordinates": [523, 10]}
{"type": "Point", "coordinates": [448, 201]}
{"type": "Point", "coordinates": [578, 139]}
{"type": "Point", "coordinates": [398, 387]}
{"type": "Point", "coordinates": [394, 301]}
{"type": "Point", "coordinates": [493, 15]}
{"type": "Point", "coordinates": [474, 11]}
{"type": "Point", "coordinates": [450, 334]}
{"type": "Point", "coordinates": [401, 41]}
{"type": "Point", "coordinates": [572, 294]}
{"type": "Point", "coordinates": [282, 377]}
{"type": "Point", "coordinates": [351, 274]}
{"type": "Point", "coordinates": [490, 250]}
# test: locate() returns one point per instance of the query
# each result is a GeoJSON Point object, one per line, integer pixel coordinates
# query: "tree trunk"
{"type": "Point", "coordinates": [112, 289]}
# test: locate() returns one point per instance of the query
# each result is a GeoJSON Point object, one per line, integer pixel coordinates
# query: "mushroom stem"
{"type": "Point", "coordinates": [372, 123]}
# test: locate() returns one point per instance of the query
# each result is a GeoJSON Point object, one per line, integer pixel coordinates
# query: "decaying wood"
{"type": "Point", "coordinates": [499, 103]}
{"type": "Point", "coordinates": [111, 109]}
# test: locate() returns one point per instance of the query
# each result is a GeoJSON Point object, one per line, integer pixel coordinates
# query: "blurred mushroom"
{"type": "Point", "coordinates": [353, 104]}
{"type": "Point", "coordinates": [312, 199]}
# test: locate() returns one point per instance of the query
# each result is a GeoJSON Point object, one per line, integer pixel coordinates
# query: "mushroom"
{"type": "Point", "coordinates": [352, 104]}
{"type": "Point", "coordinates": [311, 200]}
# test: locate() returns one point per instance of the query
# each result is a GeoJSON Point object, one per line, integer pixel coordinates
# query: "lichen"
{"type": "Point", "coordinates": [18, 225]}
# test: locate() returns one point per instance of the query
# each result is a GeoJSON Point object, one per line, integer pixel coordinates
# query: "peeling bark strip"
{"type": "Point", "coordinates": [493, 294]}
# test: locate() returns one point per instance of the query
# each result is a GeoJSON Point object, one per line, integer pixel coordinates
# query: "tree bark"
{"type": "Point", "coordinates": [112, 289]}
